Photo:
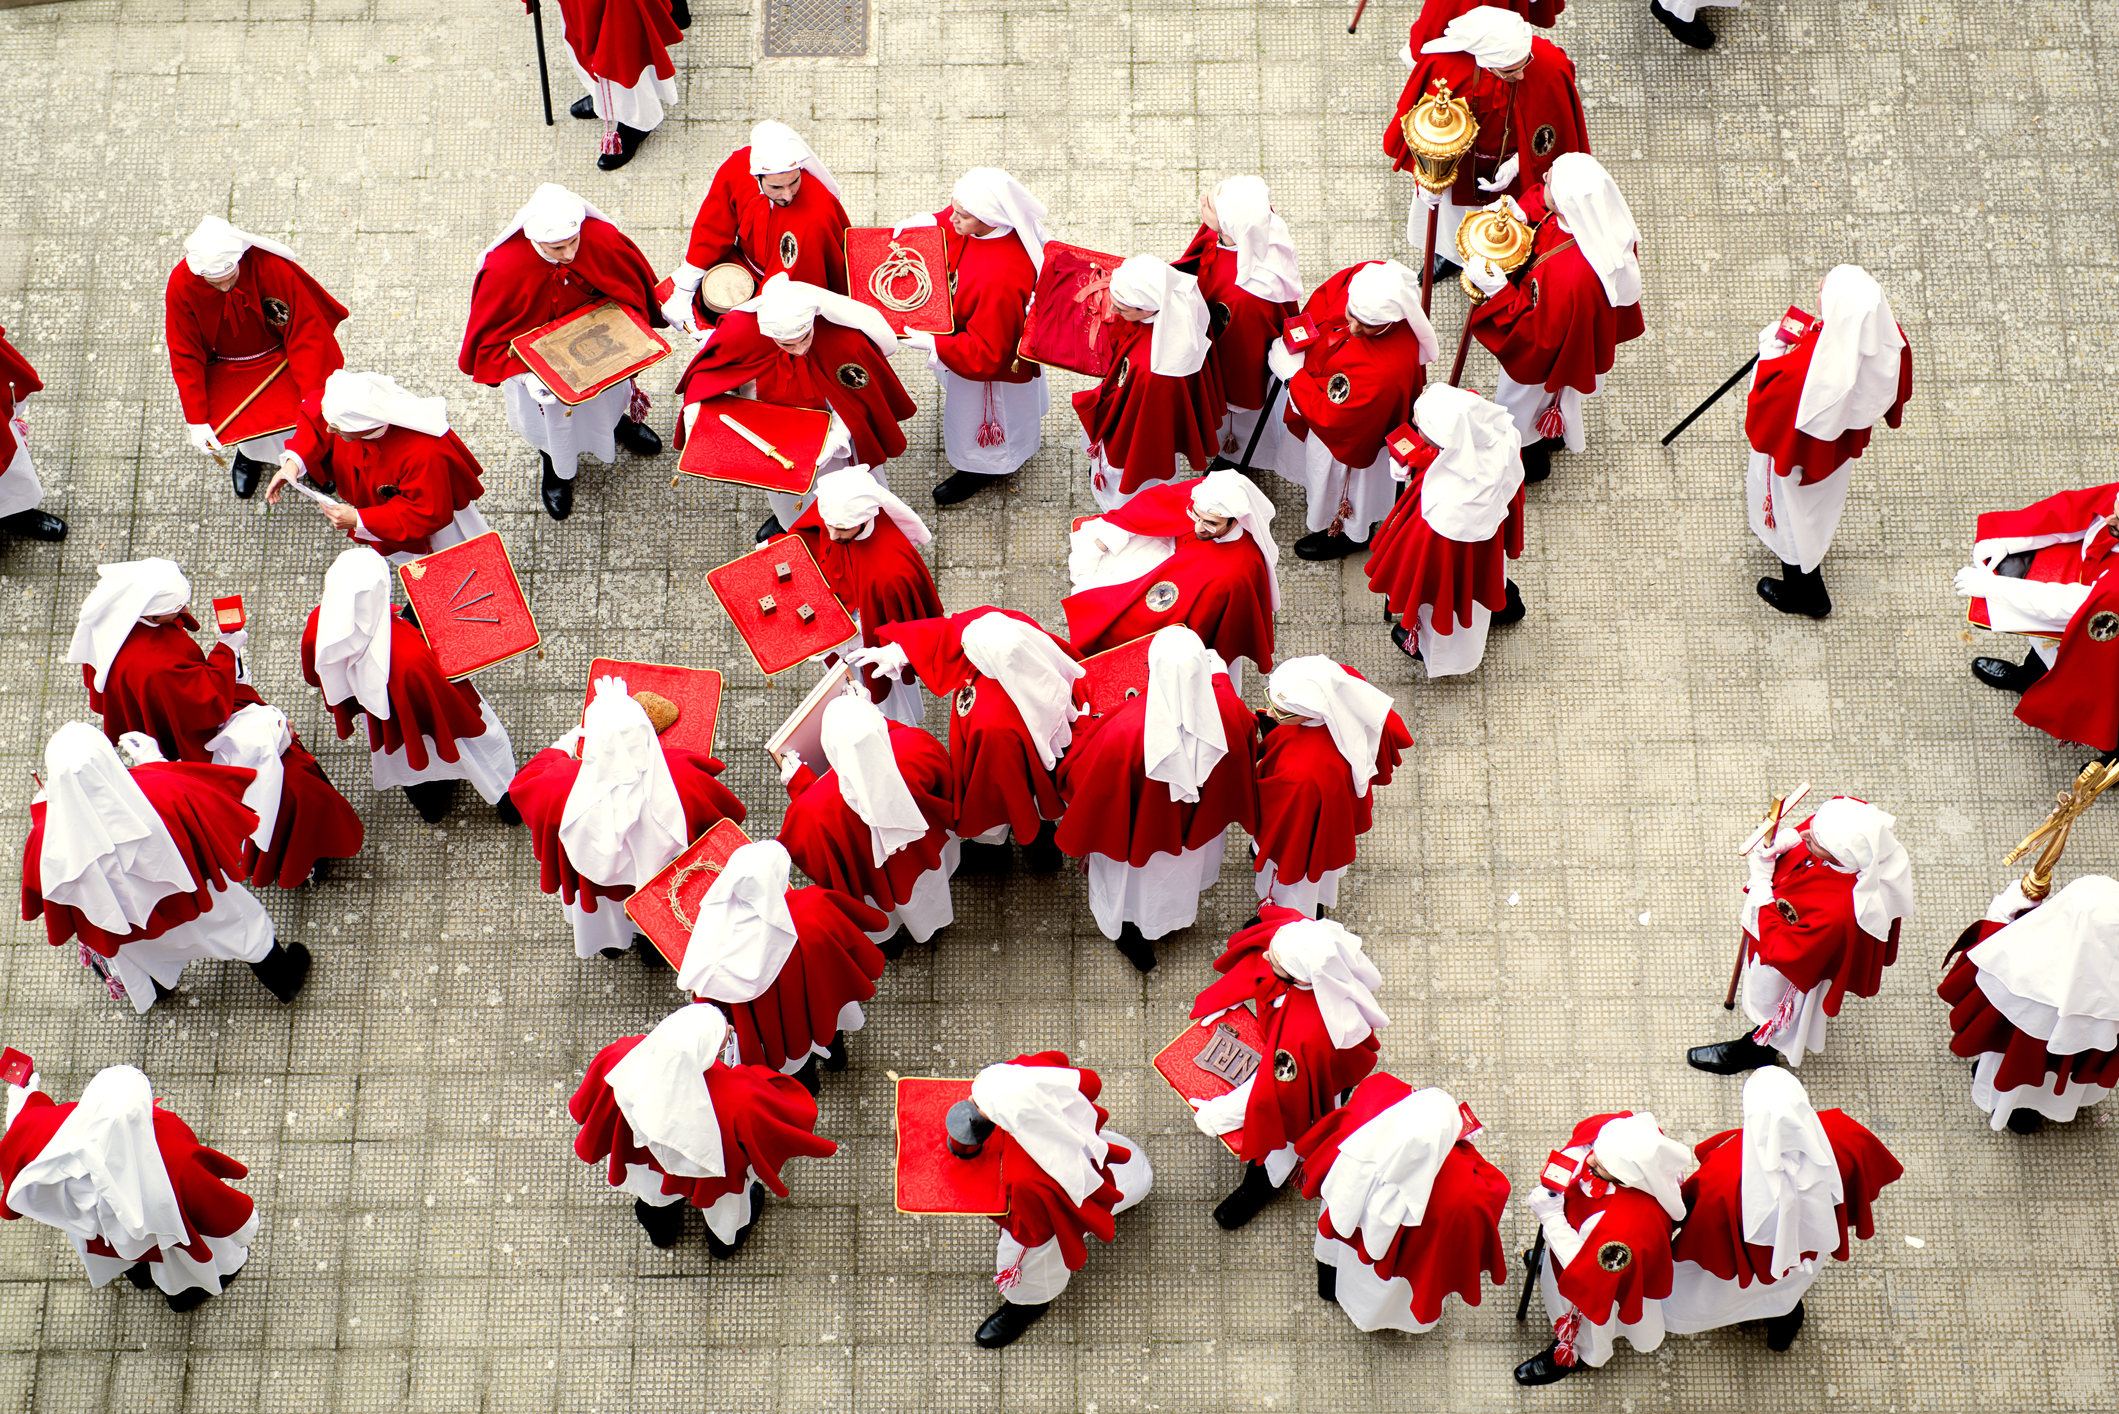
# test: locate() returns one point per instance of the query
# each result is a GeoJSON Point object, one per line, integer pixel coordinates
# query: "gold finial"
{"type": "Point", "coordinates": [2068, 805]}
{"type": "Point", "coordinates": [1439, 130]}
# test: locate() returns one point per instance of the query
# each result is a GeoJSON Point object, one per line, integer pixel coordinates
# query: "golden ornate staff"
{"type": "Point", "coordinates": [1438, 131]}
{"type": "Point", "coordinates": [2094, 779]}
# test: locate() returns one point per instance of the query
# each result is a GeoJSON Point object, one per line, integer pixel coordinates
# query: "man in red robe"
{"type": "Point", "coordinates": [130, 1185]}
{"type": "Point", "coordinates": [867, 543]}
{"type": "Point", "coordinates": [21, 493]}
{"type": "Point", "coordinates": [1435, 15]}
{"type": "Point", "coordinates": [2037, 572]}
{"type": "Point", "coordinates": [774, 208]}
{"type": "Point", "coordinates": [1352, 387]}
{"type": "Point", "coordinates": [1411, 1211]}
{"type": "Point", "coordinates": [676, 1126]}
{"type": "Point", "coordinates": [1197, 553]}
{"type": "Point", "coordinates": [804, 346]}
{"type": "Point", "coordinates": [1314, 991]}
{"type": "Point", "coordinates": [241, 299]}
{"type": "Point", "coordinates": [1160, 407]}
{"type": "Point", "coordinates": [1817, 393]}
{"type": "Point", "coordinates": [1555, 327]}
{"type": "Point", "coordinates": [1245, 261]}
{"type": "Point", "coordinates": [1329, 739]}
{"type": "Point", "coordinates": [557, 257]}
{"type": "Point", "coordinates": [1820, 918]}
{"type": "Point", "coordinates": [620, 49]}
{"type": "Point", "coordinates": [145, 674]}
{"type": "Point", "coordinates": [993, 403]}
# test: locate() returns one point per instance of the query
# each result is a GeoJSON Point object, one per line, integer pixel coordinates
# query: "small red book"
{"type": "Point", "coordinates": [15, 1067]}
{"type": "Point", "coordinates": [1069, 309]}
{"type": "Point", "coordinates": [665, 907]}
{"type": "Point", "coordinates": [275, 409]}
{"type": "Point", "coordinates": [718, 452]}
{"type": "Point", "coordinates": [579, 355]}
{"type": "Point", "coordinates": [931, 1178]}
{"type": "Point", "coordinates": [904, 277]}
{"type": "Point", "coordinates": [1299, 333]}
{"type": "Point", "coordinates": [1403, 442]}
{"type": "Point", "coordinates": [1207, 1062]}
{"type": "Point", "coordinates": [1114, 675]}
{"type": "Point", "coordinates": [471, 607]}
{"type": "Point", "coordinates": [780, 604]}
{"type": "Point", "coordinates": [695, 691]}
{"type": "Point", "coordinates": [1795, 323]}
{"type": "Point", "coordinates": [228, 613]}
{"type": "Point", "coordinates": [1559, 1171]}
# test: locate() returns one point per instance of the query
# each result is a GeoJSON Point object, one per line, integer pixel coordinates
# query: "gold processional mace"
{"type": "Point", "coordinates": [2051, 837]}
{"type": "Point", "coordinates": [1439, 132]}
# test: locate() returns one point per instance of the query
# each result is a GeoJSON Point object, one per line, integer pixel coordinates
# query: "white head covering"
{"type": "Point", "coordinates": [1597, 216]}
{"type": "Point", "coordinates": [788, 309]}
{"type": "Point", "coordinates": [848, 499]}
{"type": "Point", "coordinates": [353, 632]}
{"type": "Point", "coordinates": [1231, 494]}
{"type": "Point", "coordinates": [1386, 1169]}
{"type": "Point", "coordinates": [1469, 486]}
{"type": "Point", "coordinates": [1494, 37]}
{"type": "Point", "coordinates": [1265, 252]}
{"type": "Point", "coordinates": [744, 930]}
{"type": "Point", "coordinates": [1859, 834]}
{"type": "Point", "coordinates": [1182, 738]}
{"type": "Point", "coordinates": [1636, 1152]}
{"type": "Point", "coordinates": [1180, 341]}
{"type": "Point", "coordinates": [215, 248]}
{"type": "Point", "coordinates": [623, 819]}
{"type": "Point", "coordinates": [660, 1086]}
{"type": "Point", "coordinates": [1035, 672]}
{"type": "Point", "coordinates": [1042, 1108]}
{"type": "Point", "coordinates": [1791, 1182]}
{"type": "Point", "coordinates": [362, 402]}
{"type": "Point", "coordinates": [1352, 710]}
{"type": "Point", "coordinates": [1325, 958]}
{"type": "Point", "coordinates": [101, 1174]}
{"type": "Point", "coordinates": [1853, 374]}
{"type": "Point", "coordinates": [776, 148]}
{"type": "Point", "coordinates": [106, 850]}
{"type": "Point", "coordinates": [551, 215]}
{"type": "Point", "coordinates": [856, 741]}
{"type": "Point", "coordinates": [1383, 292]}
{"type": "Point", "coordinates": [124, 594]}
{"type": "Point", "coordinates": [990, 195]}
{"type": "Point", "coordinates": [2054, 971]}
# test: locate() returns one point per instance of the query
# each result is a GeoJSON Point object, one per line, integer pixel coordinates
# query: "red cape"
{"type": "Point", "coordinates": [1376, 379]}
{"type": "Point", "coordinates": [1039, 1208]}
{"type": "Point", "coordinates": [2064, 514]}
{"type": "Point", "coordinates": [1000, 777]}
{"type": "Point", "coordinates": [989, 288]}
{"type": "Point", "coordinates": [1553, 326]}
{"type": "Point", "coordinates": [843, 371]}
{"type": "Point", "coordinates": [1713, 1235]}
{"type": "Point", "coordinates": [738, 222]}
{"type": "Point", "coordinates": [419, 694]}
{"type": "Point", "coordinates": [315, 822]}
{"type": "Point", "coordinates": [200, 324]}
{"type": "Point", "coordinates": [882, 579]}
{"type": "Point", "coordinates": [517, 290]}
{"type": "Point", "coordinates": [1632, 1220]}
{"type": "Point", "coordinates": [2078, 700]}
{"type": "Point", "coordinates": [831, 844]}
{"type": "Point", "coordinates": [1243, 323]}
{"type": "Point", "coordinates": [765, 1120]}
{"type": "Point", "coordinates": [1537, 119]}
{"type": "Point", "coordinates": [1977, 1026]}
{"type": "Point", "coordinates": [1459, 1236]}
{"type": "Point", "coordinates": [1224, 588]}
{"type": "Point", "coordinates": [1411, 563]}
{"type": "Point", "coordinates": [540, 789]}
{"type": "Point", "coordinates": [619, 40]}
{"type": "Point", "coordinates": [407, 485]}
{"type": "Point", "coordinates": [1308, 814]}
{"type": "Point", "coordinates": [1825, 941]}
{"type": "Point", "coordinates": [198, 1174]}
{"type": "Point", "coordinates": [1282, 1111]}
{"type": "Point", "coordinates": [1435, 16]}
{"type": "Point", "coordinates": [1777, 394]}
{"type": "Point", "coordinates": [1113, 809]}
{"type": "Point", "coordinates": [833, 963]}
{"type": "Point", "coordinates": [21, 380]}
{"type": "Point", "coordinates": [1143, 421]}
{"type": "Point", "coordinates": [203, 808]}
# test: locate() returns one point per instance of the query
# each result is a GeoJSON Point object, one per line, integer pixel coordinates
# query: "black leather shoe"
{"type": "Point", "coordinates": [835, 1058]}
{"type": "Point", "coordinates": [189, 1300]}
{"type": "Point", "coordinates": [1543, 1369]}
{"type": "Point", "coordinates": [1003, 1326]}
{"type": "Point", "coordinates": [1327, 1281]}
{"type": "Point", "coordinates": [629, 140]}
{"type": "Point", "coordinates": [809, 1077]}
{"type": "Point", "coordinates": [681, 14]}
{"type": "Point", "coordinates": [1042, 855]}
{"type": "Point", "coordinates": [505, 809]}
{"type": "Point", "coordinates": [1693, 32]}
{"type": "Point", "coordinates": [638, 438]}
{"type": "Point", "coordinates": [583, 107]}
{"type": "Point", "coordinates": [1537, 463]}
{"type": "Point", "coordinates": [2025, 1121]}
{"type": "Point", "coordinates": [558, 494]}
{"type": "Point", "coordinates": [1780, 1331]}
{"type": "Point", "coordinates": [141, 1276]}
{"type": "Point", "coordinates": [610, 954]}
{"type": "Point", "coordinates": [1327, 545]}
{"type": "Point", "coordinates": [1797, 593]}
{"type": "Point", "coordinates": [1136, 948]}
{"type": "Point", "coordinates": [35, 525]}
{"type": "Point", "coordinates": [984, 861]}
{"type": "Point", "coordinates": [768, 530]}
{"type": "Point", "coordinates": [664, 1225]}
{"type": "Point", "coordinates": [962, 486]}
{"type": "Point", "coordinates": [1731, 1057]}
{"type": "Point", "coordinates": [1406, 639]}
{"type": "Point", "coordinates": [432, 799]}
{"type": "Point", "coordinates": [245, 475]}
{"type": "Point", "coordinates": [650, 956]}
{"type": "Point", "coordinates": [725, 1250]}
{"type": "Point", "coordinates": [2009, 677]}
{"type": "Point", "coordinates": [283, 970]}
{"type": "Point", "coordinates": [1512, 612]}
{"type": "Point", "coordinates": [1249, 1199]}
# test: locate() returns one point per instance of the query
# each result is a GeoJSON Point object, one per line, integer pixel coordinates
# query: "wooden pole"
{"type": "Point", "coordinates": [1427, 266]}
{"type": "Point", "coordinates": [263, 384]}
{"type": "Point", "coordinates": [1355, 23]}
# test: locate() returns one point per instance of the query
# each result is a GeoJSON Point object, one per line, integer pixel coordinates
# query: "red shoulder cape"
{"type": "Point", "coordinates": [1382, 377]}
{"type": "Point", "coordinates": [2079, 699]}
{"type": "Point", "coordinates": [1553, 326]}
{"type": "Point", "coordinates": [843, 371]}
{"type": "Point", "coordinates": [618, 40]}
{"type": "Point", "coordinates": [419, 694]}
{"type": "Point", "coordinates": [1113, 809]}
{"type": "Point", "coordinates": [1410, 563]}
{"type": "Point", "coordinates": [1143, 421]}
{"type": "Point", "coordinates": [200, 322]}
{"type": "Point", "coordinates": [516, 290]}
{"type": "Point", "coordinates": [1435, 16]}
{"type": "Point", "coordinates": [1633, 1220]}
{"type": "Point", "coordinates": [1243, 323]}
{"type": "Point", "coordinates": [17, 381]}
{"type": "Point", "coordinates": [990, 285]}
{"type": "Point", "coordinates": [1224, 589]}
{"type": "Point", "coordinates": [831, 844]}
{"type": "Point", "coordinates": [315, 822]}
{"type": "Point", "coordinates": [833, 963]}
{"type": "Point", "coordinates": [1309, 817]}
{"type": "Point", "coordinates": [1825, 941]}
{"type": "Point", "coordinates": [1038, 1208]}
{"type": "Point", "coordinates": [738, 222]}
{"type": "Point", "coordinates": [406, 484]}
{"type": "Point", "coordinates": [2063, 514]}
{"type": "Point", "coordinates": [539, 791]}
{"type": "Point", "coordinates": [1777, 393]}
{"type": "Point", "coordinates": [883, 579]}
{"type": "Point", "coordinates": [1977, 1027]}
{"type": "Point", "coordinates": [1713, 1234]}
{"type": "Point", "coordinates": [1537, 119]}
{"type": "Point", "coordinates": [161, 684]}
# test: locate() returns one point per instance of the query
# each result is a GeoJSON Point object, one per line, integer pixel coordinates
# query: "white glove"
{"type": "Point", "coordinates": [236, 641]}
{"type": "Point", "coordinates": [1511, 206]}
{"type": "Point", "coordinates": [790, 763]}
{"type": "Point", "coordinates": [882, 660]}
{"type": "Point", "coordinates": [1770, 343]}
{"type": "Point", "coordinates": [917, 339]}
{"type": "Point", "coordinates": [1488, 276]}
{"type": "Point", "coordinates": [201, 435]}
{"type": "Point", "coordinates": [2008, 903]}
{"type": "Point", "coordinates": [1224, 1114]}
{"type": "Point", "coordinates": [678, 310]}
{"type": "Point", "coordinates": [1284, 362]}
{"type": "Point", "coordinates": [1973, 582]}
{"type": "Point", "coordinates": [140, 748]}
{"type": "Point", "coordinates": [913, 223]}
{"type": "Point", "coordinates": [539, 393]}
{"type": "Point", "coordinates": [569, 743]}
{"type": "Point", "coordinates": [1428, 200]}
{"type": "Point", "coordinates": [1503, 175]}
{"type": "Point", "coordinates": [1209, 1020]}
{"type": "Point", "coordinates": [1544, 1203]}
{"type": "Point", "coordinates": [1760, 881]}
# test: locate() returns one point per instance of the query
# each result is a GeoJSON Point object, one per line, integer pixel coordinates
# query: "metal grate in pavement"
{"type": "Point", "coordinates": [822, 29]}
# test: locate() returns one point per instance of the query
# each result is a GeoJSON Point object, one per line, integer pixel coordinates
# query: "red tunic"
{"type": "Point", "coordinates": [805, 239]}
{"type": "Point", "coordinates": [881, 577]}
{"type": "Point", "coordinates": [1978, 1026]}
{"type": "Point", "coordinates": [199, 1175]}
{"type": "Point", "coordinates": [1634, 1222]}
{"type": "Point", "coordinates": [517, 290]}
{"type": "Point", "coordinates": [1113, 809]}
{"type": "Point", "coordinates": [1143, 422]}
{"type": "Point", "coordinates": [1713, 1235]}
{"type": "Point", "coordinates": [1039, 1208]}
{"type": "Point", "coordinates": [1552, 326]}
{"type": "Point", "coordinates": [1456, 1239]}
{"type": "Point", "coordinates": [1353, 389]}
{"type": "Point", "coordinates": [1282, 1111]}
{"type": "Point", "coordinates": [407, 485]}
{"type": "Point", "coordinates": [1435, 16]}
{"type": "Point", "coordinates": [1411, 563]}
{"type": "Point", "coordinates": [201, 324]}
{"type": "Point", "coordinates": [843, 371]}
{"type": "Point", "coordinates": [833, 846]}
{"type": "Point", "coordinates": [540, 790]}
{"type": "Point", "coordinates": [1538, 118]}
{"type": "Point", "coordinates": [1308, 814]}
{"type": "Point", "coordinates": [1777, 393]}
{"type": "Point", "coordinates": [765, 1120]}
{"type": "Point", "coordinates": [990, 281]}
{"type": "Point", "coordinates": [21, 380]}
{"type": "Point", "coordinates": [1000, 776]}
{"type": "Point", "coordinates": [1824, 943]}
{"type": "Point", "coordinates": [1243, 323]}
{"type": "Point", "coordinates": [204, 811]}
{"type": "Point", "coordinates": [446, 711]}
{"type": "Point", "coordinates": [2079, 699]}
{"type": "Point", "coordinates": [833, 963]}
{"type": "Point", "coordinates": [618, 40]}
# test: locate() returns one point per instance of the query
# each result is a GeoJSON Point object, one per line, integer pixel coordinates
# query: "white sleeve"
{"type": "Point", "coordinates": [2036, 603]}
{"type": "Point", "coordinates": [1224, 1114]}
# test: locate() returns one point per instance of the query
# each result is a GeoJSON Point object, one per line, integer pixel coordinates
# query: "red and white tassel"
{"type": "Point", "coordinates": [1565, 1331]}
{"type": "Point", "coordinates": [991, 433]}
{"type": "Point", "coordinates": [636, 410]}
{"type": "Point", "coordinates": [1550, 423]}
{"type": "Point", "coordinates": [612, 144]}
{"type": "Point", "coordinates": [1782, 1016]}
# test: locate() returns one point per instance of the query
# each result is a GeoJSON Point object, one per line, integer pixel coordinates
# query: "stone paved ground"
{"type": "Point", "coordinates": [1549, 890]}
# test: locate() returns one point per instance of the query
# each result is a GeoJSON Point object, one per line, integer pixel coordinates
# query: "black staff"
{"type": "Point", "coordinates": [1530, 1278]}
{"type": "Point", "coordinates": [1712, 398]}
{"type": "Point", "coordinates": [544, 74]}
